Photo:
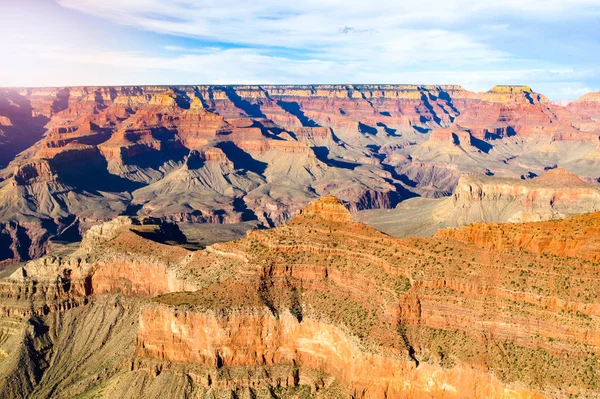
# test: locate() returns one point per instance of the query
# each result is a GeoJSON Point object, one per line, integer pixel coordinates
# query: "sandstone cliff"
{"type": "Point", "coordinates": [587, 105]}
{"type": "Point", "coordinates": [322, 306]}
{"type": "Point", "coordinates": [556, 194]}
{"type": "Point", "coordinates": [229, 154]}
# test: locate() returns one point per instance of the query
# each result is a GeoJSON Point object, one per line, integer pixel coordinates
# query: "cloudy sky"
{"type": "Point", "coordinates": [551, 45]}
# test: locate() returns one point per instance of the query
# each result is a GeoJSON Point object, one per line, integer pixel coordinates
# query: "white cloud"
{"type": "Point", "coordinates": [309, 24]}
{"type": "Point", "coordinates": [313, 41]}
{"type": "Point", "coordinates": [66, 66]}
{"type": "Point", "coordinates": [366, 37]}
{"type": "Point", "coordinates": [572, 92]}
{"type": "Point", "coordinates": [313, 22]}
{"type": "Point", "coordinates": [389, 30]}
{"type": "Point", "coordinates": [252, 66]}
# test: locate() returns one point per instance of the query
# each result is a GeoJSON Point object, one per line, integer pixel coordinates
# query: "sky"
{"type": "Point", "coordinates": [551, 45]}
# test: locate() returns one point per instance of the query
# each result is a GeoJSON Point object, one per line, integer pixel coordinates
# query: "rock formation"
{"type": "Point", "coordinates": [321, 306]}
{"type": "Point", "coordinates": [556, 194]}
{"type": "Point", "coordinates": [79, 156]}
{"type": "Point", "coordinates": [588, 105]}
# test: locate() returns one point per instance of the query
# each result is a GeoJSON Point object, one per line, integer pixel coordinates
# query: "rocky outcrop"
{"type": "Point", "coordinates": [261, 340]}
{"type": "Point", "coordinates": [555, 194]}
{"type": "Point", "coordinates": [589, 105]}
{"type": "Point", "coordinates": [576, 237]}
{"type": "Point", "coordinates": [321, 305]}
{"type": "Point", "coordinates": [228, 154]}
{"type": "Point", "coordinates": [105, 261]}
{"type": "Point", "coordinates": [450, 141]}
{"type": "Point", "coordinates": [20, 125]}
{"type": "Point", "coordinates": [327, 208]}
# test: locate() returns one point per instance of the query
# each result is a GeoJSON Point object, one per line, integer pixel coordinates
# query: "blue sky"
{"type": "Point", "coordinates": [551, 45]}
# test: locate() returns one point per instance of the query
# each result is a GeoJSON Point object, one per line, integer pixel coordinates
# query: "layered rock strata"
{"type": "Point", "coordinates": [322, 306]}
{"type": "Point", "coordinates": [231, 154]}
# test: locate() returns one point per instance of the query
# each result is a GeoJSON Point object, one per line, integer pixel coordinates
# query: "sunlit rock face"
{"type": "Point", "coordinates": [321, 306]}
{"type": "Point", "coordinates": [587, 105]}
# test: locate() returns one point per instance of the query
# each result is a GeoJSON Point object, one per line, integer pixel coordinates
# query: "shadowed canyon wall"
{"type": "Point", "coordinates": [228, 154]}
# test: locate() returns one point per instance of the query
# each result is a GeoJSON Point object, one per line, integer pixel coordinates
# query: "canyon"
{"type": "Point", "coordinates": [74, 157]}
{"type": "Point", "coordinates": [479, 198]}
{"type": "Point", "coordinates": [321, 306]}
{"type": "Point", "coordinates": [310, 241]}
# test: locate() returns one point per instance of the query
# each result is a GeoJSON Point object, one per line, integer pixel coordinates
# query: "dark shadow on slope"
{"type": "Point", "coordinates": [252, 110]}
{"type": "Point", "coordinates": [385, 113]}
{"type": "Point", "coordinates": [481, 145]}
{"type": "Point", "coordinates": [278, 131]}
{"type": "Point", "coordinates": [529, 98]}
{"type": "Point", "coordinates": [181, 99]}
{"type": "Point", "coordinates": [429, 107]}
{"type": "Point", "coordinates": [163, 134]}
{"type": "Point", "coordinates": [182, 102]}
{"type": "Point", "coordinates": [337, 140]}
{"type": "Point", "coordinates": [422, 130]}
{"type": "Point", "coordinates": [240, 206]}
{"type": "Point", "coordinates": [170, 150]}
{"type": "Point", "coordinates": [374, 148]}
{"type": "Point", "coordinates": [101, 135]}
{"type": "Point", "coordinates": [492, 135]}
{"type": "Point", "coordinates": [293, 108]}
{"type": "Point", "coordinates": [6, 251]}
{"type": "Point", "coordinates": [446, 97]}
{"type": "Point", "coordinates": [62, 101]}
{"type": "Point", "coordinates": [388, 130]}
{"type": "Point", "coordinates": [366, 129]}
{"type": "Point", "coordinates": [24, 241]}
{"type": "Point", "coordinates": [322, 154]}
{"type": "Point", "coordinates": [91, 175]}
{"type": "Point", "coordinates": [403, 192]}
{"type": "Point", "coordinates": [364, 97]}
{"type": "Point", "coordinates": [241, 159]}
{"type": "Point", "coordinates": [269, 132]}
{"type": "Point", "coordinates": [529, 175]}
{"type": "Point", "coordinates": [205, 104]}
{"type": "Point", "coordinates": [26, 129]}
{"type": "Point", "coordinates": [406, 180]}
{"type": "Point", "coordinates": [154, 159]}
{"type": "Point", "coordinates": [194, 160]}
{"type": "Point", "coordinates": [163, 232]}
{"type": "Point", "coordinates": [99, 100]}
{"type": "Point", "coordinates": [455, 139]}
{"type": "Point", "coordinates": [69, 229]}
{"type": "Point", "coordinates": [500, 133]}
{"type": "Point", "coordinates": [132, 209]}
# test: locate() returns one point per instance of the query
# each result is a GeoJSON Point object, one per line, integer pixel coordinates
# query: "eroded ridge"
{"type": "Point", "coordinates": [259, 154]}
{"type": "Point", "coordinates": [322, 306]}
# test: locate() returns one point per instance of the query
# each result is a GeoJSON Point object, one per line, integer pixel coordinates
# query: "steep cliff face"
{"type": "Point", "coordinates": [230, 154]}
{"type": "Point", "coordinates": [322, 306]}
{"type": "Point", "coordinates": [556, 194]}
{"type": "Point", "coordinates": [575, 237]}
{"type": "Point", "coordinates": [20, 126]}
{"type": "Point", "coordinates": [587, 105]}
